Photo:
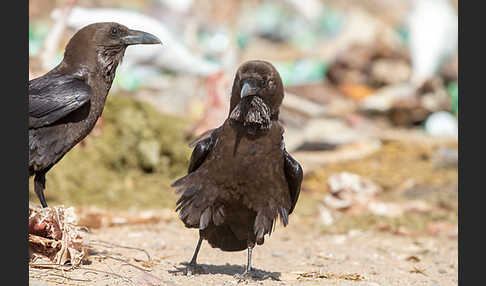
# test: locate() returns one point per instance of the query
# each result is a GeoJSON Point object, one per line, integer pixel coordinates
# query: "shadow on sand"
{"type": "Point", "coordinates": [227, 269]}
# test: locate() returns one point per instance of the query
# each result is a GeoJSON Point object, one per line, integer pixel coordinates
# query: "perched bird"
{"type": "Point", "coordinates": [65, 103]}
{"type": "Point", "coordinates": [240, 177]}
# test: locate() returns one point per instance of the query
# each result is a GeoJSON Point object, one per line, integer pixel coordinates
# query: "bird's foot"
{"type": "Point", "coordinates": [247, 275]}
{"type": "Point", "coordinates": [193, 268]}
{"type": "Point", "coordinates": [252, 275]}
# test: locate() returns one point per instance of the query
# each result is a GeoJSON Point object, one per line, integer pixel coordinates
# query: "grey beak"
{"type": "Point", "coordinates": [248, 89]}
{"type": "Point", "coordinates": [135, 37]}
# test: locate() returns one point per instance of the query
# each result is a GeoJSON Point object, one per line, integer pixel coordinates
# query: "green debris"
{"type": "Point", "coordinates": [130, 163]}
{"type": "Point", "coordinates": [302, 71]}
{"type": "Point", "coordinates": [453, 90]}
{"type": "Point", "coordinates": [37, 32]}
{"type": "Point", "coordinates": [330, 21]}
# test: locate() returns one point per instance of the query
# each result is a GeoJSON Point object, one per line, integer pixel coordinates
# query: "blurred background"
{"type": "Point", "coordinates": [370, 109]}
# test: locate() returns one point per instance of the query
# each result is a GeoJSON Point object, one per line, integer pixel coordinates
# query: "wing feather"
{"type": "Point", "coordinates": [294, 176]}
{"type": "Point", "coordinates": [52, 97]}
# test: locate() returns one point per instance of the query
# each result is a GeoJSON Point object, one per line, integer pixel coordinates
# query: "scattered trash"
{"type": "Point", "coordinates": [441, 123]}
{"type": "Point", "coordinates": [302, 71]}
{"type": "Point", "coordinates": [356, 91]}
{"type": "Point", "coordinates": [450, 70]}
{"type": "Point", "coordinates": [347, 189]}
{"type": "Point", "coordinates": [330, 131]}
{"type": "Point", "coordinates": [37, 33]}
{"type": "Point", "coordinates": [373, 65]}
{"type": "Point", "coordinates": [54, 234]}
{"type": "Point", "coordinates": [387, 97]}
{"type": "Point", "coordinates": [312, 160]}
{"type": "Point", "coordinates": [453, 90]}
{"type": "Point", "coordinates": [385, 209]}
{"type": "Point", "coordinates": [172, 55]}
{"type": "Point", "coordinates": [433, 36]}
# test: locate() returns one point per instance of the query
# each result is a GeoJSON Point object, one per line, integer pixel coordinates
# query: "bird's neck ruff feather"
{"type": "Point", "coordinates": [109, 58]}
{"type": "Point", "coordinates": [251, 115]}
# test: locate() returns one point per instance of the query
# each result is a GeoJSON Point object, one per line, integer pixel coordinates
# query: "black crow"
{"type": "Point", "coordinates": [240, 177]}
{"type": "Point", "coordinates": [65, 103]}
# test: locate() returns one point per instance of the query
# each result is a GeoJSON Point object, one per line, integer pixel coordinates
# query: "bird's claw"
{"type": "Point", "coordinates": [252, 275]}
{"type": "Point", "coordinates": [193, 269]}
{"type": "Point", "coordinates": [247, 275]}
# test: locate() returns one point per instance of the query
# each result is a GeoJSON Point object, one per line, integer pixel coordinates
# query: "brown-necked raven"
{"type": "Point", "coordinates": [240, 177]}
{"type": "Point", "coordinates": [65, 103]}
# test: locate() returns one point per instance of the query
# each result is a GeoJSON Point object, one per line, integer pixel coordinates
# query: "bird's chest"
{"type": "Point", "coordinates": [243, 163]}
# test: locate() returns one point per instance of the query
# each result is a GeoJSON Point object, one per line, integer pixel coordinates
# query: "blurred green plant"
{"type": "Point", "coordinates": [130, 163]}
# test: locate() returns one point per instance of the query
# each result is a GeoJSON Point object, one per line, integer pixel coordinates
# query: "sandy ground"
{"type": "Point", "coordinates": [418, 248]}
{"type": "Point", "coordinates": [356, 258]}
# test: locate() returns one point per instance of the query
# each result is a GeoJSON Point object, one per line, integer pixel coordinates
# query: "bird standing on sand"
{"type": "Point", "coordinates": [240, 177]}
{"type": "Point", "coordinates": [65, 103]}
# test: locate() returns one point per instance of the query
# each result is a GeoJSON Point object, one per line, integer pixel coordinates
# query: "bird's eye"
{"type": "Point", "coordinates": [114, 31]}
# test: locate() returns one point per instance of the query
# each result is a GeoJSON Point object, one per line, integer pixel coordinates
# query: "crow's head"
{"type": "Point", "coordinates": [256, 95]}
{"type": "Point", "coordinates": [103, 45]}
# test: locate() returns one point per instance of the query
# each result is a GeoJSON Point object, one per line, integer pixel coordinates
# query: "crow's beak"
{"type": "Point", "coordinates": [135, 37]}
{"type": "Point", "coordinates": [248, 89]}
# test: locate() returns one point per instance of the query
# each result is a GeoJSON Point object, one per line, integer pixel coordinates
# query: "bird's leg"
{"type": "Point", "coordinates": [193, 268]}
{"type": "Point", "coordinates": [248, 264]}
{"type": "Point", "coordinates": [248, 272]}
{"type": "Point", "coordinates": [196, 251]}
{"type": "Point", "coordinates": [39, 185]}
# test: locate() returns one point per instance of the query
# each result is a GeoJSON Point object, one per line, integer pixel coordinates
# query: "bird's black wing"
{"type": "Point", "coordinates": [202, 149]}
{"type": "Point", "coordinates": [199, 154]}
{"type": "Point", "coordinates": [191, 214]}
{"type": "Point", "coordinates": [51, 97]}
{"type": "Point", "coordinates": [294, 175]}
{"type": "Point", "coordinates": [201, 137]}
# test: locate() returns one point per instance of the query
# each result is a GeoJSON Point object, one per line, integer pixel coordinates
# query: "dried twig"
{"type": "Point", "coordinates": [318, 275]}
{"type": "Point", "coordinates": [51, 266]}
{"type": "Point", "coordinates": [107, 272]}
{"type": "Point", "coordinates": [125, 262]}
{"type": "Point", "coordinates": [112, 245]}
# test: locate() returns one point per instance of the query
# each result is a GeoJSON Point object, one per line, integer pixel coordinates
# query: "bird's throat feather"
{"type": "Point", "coordinates": [250, 117]}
